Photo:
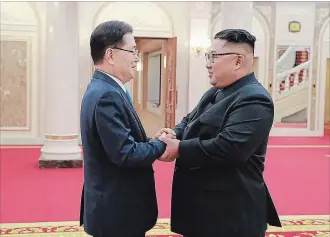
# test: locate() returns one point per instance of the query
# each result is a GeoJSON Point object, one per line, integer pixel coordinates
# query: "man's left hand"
{"type": "Point", "coordinates": [169, 133]}
{"type": "Point", "coordinates": [172, 148]}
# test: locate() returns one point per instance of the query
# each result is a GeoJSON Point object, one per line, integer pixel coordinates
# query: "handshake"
{"type": "Point", "coordinates": [168, 136]}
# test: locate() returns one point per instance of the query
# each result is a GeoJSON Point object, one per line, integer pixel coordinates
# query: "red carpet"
{"type": "Point", "coordinates": [298, 179]}
{"type": "Point", "coordinates": [30, 194]}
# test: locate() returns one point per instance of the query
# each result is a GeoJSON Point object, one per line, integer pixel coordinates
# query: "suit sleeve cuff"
{"type": "Point", "coordinates": [160, 145]}
{"type": "Point", "coordinates": [178, 133]}
{"type": "Point", "coordinates": [189, 148]}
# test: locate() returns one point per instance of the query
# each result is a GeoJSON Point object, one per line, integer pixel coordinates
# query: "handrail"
{"type": "Point", "coordinates": [296, 69]}
{"type": "Point", "coordinates": [284, 55]}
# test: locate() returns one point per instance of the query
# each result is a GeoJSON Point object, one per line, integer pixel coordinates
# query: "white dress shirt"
{"type": "Point", "coordinates": [115, 79]}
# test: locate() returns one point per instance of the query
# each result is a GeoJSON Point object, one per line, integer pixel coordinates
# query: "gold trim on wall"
{"type": "Point", "coordinates": [61, 138]}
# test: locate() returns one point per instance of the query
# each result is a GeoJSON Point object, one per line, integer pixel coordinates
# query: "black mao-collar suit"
{"type": "Point", "coordinates": [218, 187]}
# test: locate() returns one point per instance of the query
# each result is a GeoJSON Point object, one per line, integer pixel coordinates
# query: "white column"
{"type": "Point", "coordinates": [236, 15]}
{"type": "Point", "coordinates": [62, 87]}
{"type": "Point", "coordinates": [200, 26]}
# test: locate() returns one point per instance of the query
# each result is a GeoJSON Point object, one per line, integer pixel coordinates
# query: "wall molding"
{"type": "Point", "coordinates": [322, 56]}
{"type": "Point", "coordinates": [29, 76]}
{"type": "Point", "coordinates": [27, 31]}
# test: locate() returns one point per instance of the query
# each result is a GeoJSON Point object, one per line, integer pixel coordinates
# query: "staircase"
{"type": "Point", "coordinates": [291, 101]}
{"type": "Point", "coordinates": [291, 84]}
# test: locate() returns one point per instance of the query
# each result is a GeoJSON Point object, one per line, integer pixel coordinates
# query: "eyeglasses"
{"type": "Point", "coordinates": [211, 56]}
{"type": "Point", "coordinates": [134, 52]}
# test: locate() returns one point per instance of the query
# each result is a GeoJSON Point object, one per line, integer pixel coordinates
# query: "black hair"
{"type": "Point", "coordinates": [107, 34]}
{"type": "Point", "coordinates": [237, 36]}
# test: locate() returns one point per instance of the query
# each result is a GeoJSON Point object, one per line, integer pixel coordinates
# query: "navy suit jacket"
{"type": "Point", "coordinates": [119, 198]}
{"type": "Point", "coordinates": [218, 185]}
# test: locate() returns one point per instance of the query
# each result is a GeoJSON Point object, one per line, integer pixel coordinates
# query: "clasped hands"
{"type": "Point", "coordinates": [168, 136]}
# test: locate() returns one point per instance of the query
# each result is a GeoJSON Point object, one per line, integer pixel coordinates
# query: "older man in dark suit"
{"type": "Point", "coordinates": [119, 198]}
{"type": "Point", "coordinates": [218, 185]}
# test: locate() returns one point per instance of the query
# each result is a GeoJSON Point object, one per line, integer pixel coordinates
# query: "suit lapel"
{"type": "Point", "coordinates": [107, 79]}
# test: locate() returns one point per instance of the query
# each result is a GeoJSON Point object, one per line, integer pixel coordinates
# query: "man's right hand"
{"type": "Point", "coordinates": [169, 133]}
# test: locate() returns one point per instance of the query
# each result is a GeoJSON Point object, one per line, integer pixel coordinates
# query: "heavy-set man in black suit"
{"type": "Point", "coordinates": [218, 186]}
{"type": "Point", "coordinates": [118, 198]}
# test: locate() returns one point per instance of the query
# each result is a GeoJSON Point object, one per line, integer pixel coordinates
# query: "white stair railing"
{"type": "Point", "coordinates": [289, 76]}
{"type": "Point", "coordinates": [287, 59]}
{"type": "Point", "coordinates": [302, 67]}
{"type": "Point", "coordinates": [297, 76]}
{"type": "Point", "coordinates": [291, 82]}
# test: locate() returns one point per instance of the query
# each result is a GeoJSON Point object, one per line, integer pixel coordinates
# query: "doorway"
{"type": "Point", "coordinates": [154, 87]}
